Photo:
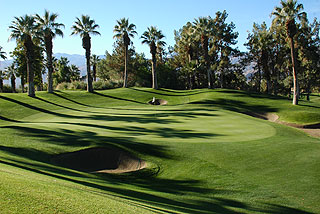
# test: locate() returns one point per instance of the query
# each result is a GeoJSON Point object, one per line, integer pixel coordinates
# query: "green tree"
{"type": "Point", "coordinates": [123, 31]}
{"type": "Point", "coordinates": [11, 73]}
{"type": "Point", "coordinates": [203, 26]}
{"type": "Point", "coordinates": [48, 28]}
{"type": "Point", "coordinates": [94, 61]}
{"type": "Point", "coordinates": [84, 27]}
{"type": "Point", "coordinates": [152, 37]}
{"type": "Point", "coordinates": [308, 44]}
{"type": "Point", "coordinates": [19, 59]}
{"type": "Point", "coordinates": [74, 73]}
{"type": "Point", "coordinates": [23, 30]}
{"type": "Point", "coordinates": [62, 73]}
{"type": "Point", "coordinates": [286, 15]}
{"type": "Point", "coordinates": [221, 43]}
{"type": "Point", "coordinates": [260, 45]}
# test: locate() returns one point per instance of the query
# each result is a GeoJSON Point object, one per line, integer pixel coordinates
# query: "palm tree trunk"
{"type": "Point", "coordinates": [31, 89]}
{"type": "Point", "coordinates": [13, 84]}
{"type": "Point", "coordinates": [49, 46]}
{"type": "Point", "coordinates": [1, 85]}
{"type": "Point", "coordinates": [94, 74]}
{"type": "Point", "coordinates": [204, 41]}
{"type": "Point", "coordinates": [125, 77]}
{"type": "Point", "coordinates": [259, 78]}
{"type": "Point", "coordinates": [22, 82]}
{"type": "Point", "coordinates": [28, 44]}
{"type": "Point", "coordinates": [294, 73]}
{"type": "Point", "coordinates": [154, 73]}
{"type": "Point", "coordinates": [89, 78]}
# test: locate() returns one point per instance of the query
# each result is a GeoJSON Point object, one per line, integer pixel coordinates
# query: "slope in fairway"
{"type": "Point", "coordinates": [203, 155]}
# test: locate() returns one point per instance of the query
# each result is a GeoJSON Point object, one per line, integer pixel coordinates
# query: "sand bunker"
{"type": "Point", "coordinates": [100, 160]}
{"type": "Point", "coordinates": [158, 102]}
{"type": "Point", "coordinates": [312, 130]}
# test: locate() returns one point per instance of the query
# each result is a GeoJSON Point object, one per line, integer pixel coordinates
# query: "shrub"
{"type": "Point", "coordinates": [62, 86]}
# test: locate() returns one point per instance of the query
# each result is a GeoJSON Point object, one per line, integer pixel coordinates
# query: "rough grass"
{"type": "Point", "coordinates": [204, 155]}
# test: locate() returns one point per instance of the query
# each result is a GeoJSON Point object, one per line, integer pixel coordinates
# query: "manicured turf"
{"type": "Point", "coordinates": [204, 154]}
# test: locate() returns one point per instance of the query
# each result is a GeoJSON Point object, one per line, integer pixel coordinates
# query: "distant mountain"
{"type": "Point", "coordinates": [76, 59]}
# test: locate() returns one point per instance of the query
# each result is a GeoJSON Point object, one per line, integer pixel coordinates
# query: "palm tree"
{"type": "Point", "coordinates": [123, 31]}
{"type": "Point", "coordinates": [2, 54]}
{"type": "Point", "coordinates": [23, 30]}
{"type": "Point", "coordinates": [94, 61]}
{"type": "Point", "coordinates": [49, 29]}
{"type": "Point", "coordinates": [11, 74]}
{"type": "Point", "coordinates": [2, 77]}
{"type": "Point", "coordinates": [203, 27]}
{"type": "Point", "coordinates": [187, 40]}
{"type": "Point", "coordinates": [153, 37]}
{"type": "Point", "coordinates": [74, 73]}
{"type": "Point", "coordinates": [84, 27]}
{"type": "Point", "coordinates": [286, 15]}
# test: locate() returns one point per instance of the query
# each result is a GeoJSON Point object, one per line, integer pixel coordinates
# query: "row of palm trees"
{"type": "Point", "coordinates": [152, 37]}
{"type": "Point", "coordinates": [28, 29]}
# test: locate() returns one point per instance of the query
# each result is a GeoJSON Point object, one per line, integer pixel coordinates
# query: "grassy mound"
{"type": "Point", "coordinates": [207, 154]}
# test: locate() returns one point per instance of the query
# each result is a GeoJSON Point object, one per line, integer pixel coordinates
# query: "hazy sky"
{"type": "Point", "coordinates": [167, 15]}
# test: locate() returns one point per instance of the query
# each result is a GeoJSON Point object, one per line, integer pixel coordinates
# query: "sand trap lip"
{"type": "Point", "coordinates": [100, 160]}
{"type": "Point", "coordinates": [313, 129]}
{"type": "Point", "coordinates": [158, 102]}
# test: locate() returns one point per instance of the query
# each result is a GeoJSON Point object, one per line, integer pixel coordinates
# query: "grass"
{"type": "Point", "coordinates": [204, 155]}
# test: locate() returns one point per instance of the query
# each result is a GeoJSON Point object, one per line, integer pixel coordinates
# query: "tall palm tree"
{"type": "Point", "coordinates": [23, 30]}
{"type": "Point", "coordinates": [286, 15]}
{"type": "Point", "coordinates": [203, 27]}
{"type": "Point", "coordinates": [2, 77]}
{"type": "Point", "coordinates": [123, 31]}
{"type": "Point", "coordinates": [11, 74]}
{"type": "Point", "coordinates": [48, 28]}
{"type": "Point", "coordinates": [187, 40]}
{"type": "Point", "coordinates": [84, 27]}
{"type": "Point", "coordinates": [3, 56]}
{"type": "Point", "coordinates": [94, 61]}
{"type": "Point", "coordinates": [153, 37]}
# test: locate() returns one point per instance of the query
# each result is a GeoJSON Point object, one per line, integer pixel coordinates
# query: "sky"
{"type": "Point", "coordinates": [166, 15]}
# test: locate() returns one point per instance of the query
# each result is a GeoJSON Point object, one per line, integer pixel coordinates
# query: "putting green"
{"type": "Point", "coordinates": [162, 124]}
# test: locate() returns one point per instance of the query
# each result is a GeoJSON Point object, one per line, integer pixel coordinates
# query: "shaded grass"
{"type": "Point", "coordinates": [204, 156]}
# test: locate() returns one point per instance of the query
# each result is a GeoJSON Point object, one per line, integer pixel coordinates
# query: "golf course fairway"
{"type": "Point", "coordinates": [202, 150]}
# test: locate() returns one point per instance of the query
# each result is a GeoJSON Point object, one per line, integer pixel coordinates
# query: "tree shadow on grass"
{"type": "Point", "coordinates": [58, 105]}
{"type": "Point", "coordinates": [237, 106]}
{"type": "Point", "coordinates": [71, 100]}
{"type": "Point", "coordinates": [156, 202]}
{"type": "Point", "coordinates": [9, 120]}
{"type": "Point", "coordinates": [175, 93]}
{"type": "Point", "coordinates": [251, 94]}
{"type": "Point", "coordinates": [139, 189]}
{"type": "Point", "coordinates": [81, 139]}
{"type": "Point", "coordinates": [152, 118]}
{"type": "Point", "coordinates": [37, 108]}
{"type": "Point", "coordinates": [117, 98]}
